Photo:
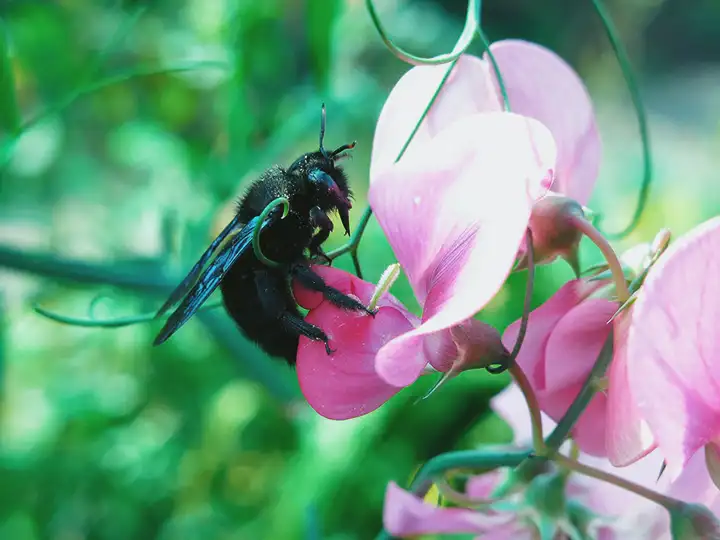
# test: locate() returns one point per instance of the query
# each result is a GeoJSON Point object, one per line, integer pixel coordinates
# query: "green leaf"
{"type": "Point", "coordinates": [321, 15]}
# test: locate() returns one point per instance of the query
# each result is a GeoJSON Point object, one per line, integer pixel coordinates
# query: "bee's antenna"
{"type": "Point", "coordinates": [349, 146]}
{"type": "Point", "coordinates": [322, 132]}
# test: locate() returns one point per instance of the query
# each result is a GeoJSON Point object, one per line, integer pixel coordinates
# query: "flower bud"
{"type": "Point", "coordinates": [693, 521]}
{"type": "Point", "coordinates": [553, 230]}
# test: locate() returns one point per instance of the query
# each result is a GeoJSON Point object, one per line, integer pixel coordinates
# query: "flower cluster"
{"type": "Point", "coordinates": [456, 208]}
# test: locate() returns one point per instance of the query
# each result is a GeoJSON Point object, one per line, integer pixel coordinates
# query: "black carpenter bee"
{"type": "Point", "coordinates": [259, 296]}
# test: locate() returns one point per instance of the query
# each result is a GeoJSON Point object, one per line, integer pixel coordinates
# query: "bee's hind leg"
{"type": "Point", "coordinates": [313, 282]}
{"type": "Point", "coordinates": [275, 304]}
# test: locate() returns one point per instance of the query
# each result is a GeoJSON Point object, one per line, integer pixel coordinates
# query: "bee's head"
{"type": "Point", "coordinates": [327, 180]}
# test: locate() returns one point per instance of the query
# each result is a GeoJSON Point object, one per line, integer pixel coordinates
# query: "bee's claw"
{"type": "Point", "coordinates": [371, 312]}
{"type": "Point", "coordinates": [328, 350]}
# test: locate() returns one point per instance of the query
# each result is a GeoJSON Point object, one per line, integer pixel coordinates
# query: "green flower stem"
{"type": "Point", "coordinates": [523, 383]}
{"type": "Point", "coordinates": [627, 71]}
{"type": "Point", "coordinates": [582, 400]}
{"type": "Point", "coordinates": [649, 494]}
{"type": "Point", "coordinates": [587, 228]}
{"type": "Point", "coordinates": [532, 467]}
{"type": "Point", "coordinates": [516, 371]}
{"type": "Point", "coordinates": [496, 68]}
{"type": "Point", "coordinates": [463, 42]}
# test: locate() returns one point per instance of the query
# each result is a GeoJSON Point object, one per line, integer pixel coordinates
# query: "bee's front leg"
{"type": "Point", "coordinates": [320, 220]}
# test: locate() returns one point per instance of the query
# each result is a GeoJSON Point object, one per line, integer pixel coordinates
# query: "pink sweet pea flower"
{"type": "Point", "coordinates": [673, 349]}
{"type": "Point", "coordinates": [345, 384]}
{"type": "Point", "coordinates": [620, 514]}
{"type": "Point", "coordinates": [539, 85]}
{"type": "Point", "coordinates": [563, 340]}
{"type": "Point", "coordinates": [455, 213]}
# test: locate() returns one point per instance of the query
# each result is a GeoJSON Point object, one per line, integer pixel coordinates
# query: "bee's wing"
{"type": "Point", "coordinates": [192, 276]}
{"type": "Point", "coordinates": [209, 280]}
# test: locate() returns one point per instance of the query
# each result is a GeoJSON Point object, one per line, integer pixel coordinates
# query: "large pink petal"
{"type": "Point", "coordinates": [542, 85]}
{"type": "Point", "coordinates": [589, 430]}
{"type": "Point", "coordinates": [576, 341]}
{"type": "Point", "coordinates": [694, 485]}
{"type": "Point", "coordinates": [628, 437]}
{"type": "Point", "coordinates": [455, 228]}
{"type": "Point", "coordinates": [468, 90]}
{"type": "Point", "coordinates": [344, 384]}
{"type": "Point", "coordinates": [674, 346]}
{"type": "Point", "coordinates": [405, 515]}
{"type": "Point", "coordinates": [540, 325]}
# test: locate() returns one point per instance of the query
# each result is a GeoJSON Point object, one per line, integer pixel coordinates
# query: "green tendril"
{"type": "Point", "coordinates": [628, 74]}
{"type": "Point", "coordinates": [352, 245]}
{"type": "Point", "coordinates": [496, 68]}
{"type": "Point", "coordinates": [463, 42]}
{"type": "Point", "coordinates": [258, 227]}
{"type": "Point", "coordinates": [106, 323]}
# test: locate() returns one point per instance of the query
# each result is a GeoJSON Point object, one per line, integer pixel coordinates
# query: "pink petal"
{"type": "Point", "coordinates": [628, 438]}
{"type": "Point", "coordinates": [694, 484]}
{"type": "Point", "coordinates": [540, 325]}
{"type": "Point", "coordinates": [542, 85]}
{"type": "Point", "coordinates": [344, 384]}
{"type": "Point", "coordinates": [406, 515]}
{"type": "Point", "coordinates": [674, 346]}
{"type": "Point", "coordinates": [442, 237]}
{"type": "Point", "coordinates": [482, 485]}
{"type": "Point", "coordinates": [440, 350]}
{"type": "Point", "coordinates": [575, 343]}
{"type": "Point", "coordinates": [589, 431]}
{"type": "Point", "coordinates": [468, 90]}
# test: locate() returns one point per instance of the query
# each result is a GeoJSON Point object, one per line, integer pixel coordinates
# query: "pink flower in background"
{"type": "Point", "coordinates": [673, 349]}
{"type": "Point", "coordinates": [455, 213]}
{"type": "Point", "coordinates": [620, 514]}
{"type": "Point", "coordinates": [563, 340]}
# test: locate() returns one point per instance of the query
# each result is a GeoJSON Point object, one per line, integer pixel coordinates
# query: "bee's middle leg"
{"type": "Point", "coordinates": [313, 282]}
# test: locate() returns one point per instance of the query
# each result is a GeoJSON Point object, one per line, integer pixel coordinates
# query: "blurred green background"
{"type": "Point", "coordinates": [128, 129]}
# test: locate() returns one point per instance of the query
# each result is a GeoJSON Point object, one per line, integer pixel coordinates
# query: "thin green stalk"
{"type": "Point", "coordinates": [589, 230]}
{"type": "Point", "coordinates": [496, 68]}
{"type": "Point", "coordinates": [516, 371]}
{"type": "Point", "coordinates": [118, 322]}
{"type": "Point", "coordinates": [532, 467]}
{"type": "Point", "coordinates": [628, 73]}
{"type": "Point", "coordinates": [649, 494]}
{"type": "Point", "coordinates": [582, 400]}
{"type": "Point", "coordinates": [463, 42]}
